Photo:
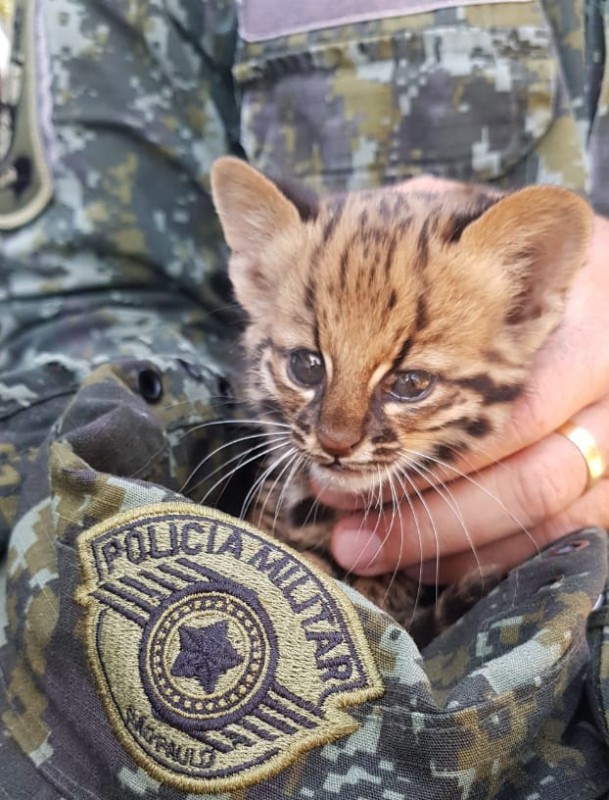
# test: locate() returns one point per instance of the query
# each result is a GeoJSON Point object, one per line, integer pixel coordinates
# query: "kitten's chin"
{"type": "Point", "coordinates": [343, 480]}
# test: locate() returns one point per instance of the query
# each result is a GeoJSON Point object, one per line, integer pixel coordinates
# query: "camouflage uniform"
{"type": "Point", "coordinates": [117, 351]}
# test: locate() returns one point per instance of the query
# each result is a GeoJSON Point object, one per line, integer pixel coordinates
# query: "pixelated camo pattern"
{"type": "Point", "coordinates": [117, 353]}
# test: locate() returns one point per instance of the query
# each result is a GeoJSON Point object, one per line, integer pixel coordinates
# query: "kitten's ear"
{"type": "Point", "coordinates": [251, 207]}
{"type": "Point", "coordinates": [539, 237]}
{"type": "Point", "coordinates": [253, 212]}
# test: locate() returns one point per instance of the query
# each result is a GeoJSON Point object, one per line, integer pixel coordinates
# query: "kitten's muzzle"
{"type": "Point", "coordinates": [338, 442]}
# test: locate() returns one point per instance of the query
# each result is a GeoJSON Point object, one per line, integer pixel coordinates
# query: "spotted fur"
{"type": "Point", "coordinates": [383, 289]}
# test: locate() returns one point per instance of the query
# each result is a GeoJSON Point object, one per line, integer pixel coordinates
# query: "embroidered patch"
{"type": "Point", "coordinates": [219, 654]}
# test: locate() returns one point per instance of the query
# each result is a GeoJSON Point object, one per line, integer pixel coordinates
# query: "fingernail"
{"type": "Point", "coordinates": [358, 549]}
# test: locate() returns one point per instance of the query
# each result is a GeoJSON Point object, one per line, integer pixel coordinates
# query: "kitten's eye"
{"type": "Point", "coordinates": [305, 367]}
{"type": "Point", "coordinates": [410, 385]}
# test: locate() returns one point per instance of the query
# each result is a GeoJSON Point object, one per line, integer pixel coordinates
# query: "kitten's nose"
{"type": "Point", "coordinates": [338, 442]}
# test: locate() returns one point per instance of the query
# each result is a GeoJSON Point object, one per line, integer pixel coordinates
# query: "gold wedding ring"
{"type": "Point", "coordinates": [587, 446]}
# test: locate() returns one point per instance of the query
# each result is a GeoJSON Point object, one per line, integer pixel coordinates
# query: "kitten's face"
{"type": "Point", "coordinates": [391, 330]}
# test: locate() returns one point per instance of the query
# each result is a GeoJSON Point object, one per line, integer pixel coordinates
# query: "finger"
{"type": "Point", "coordinates": [516, 495]}
{"type": "Point", "coordinates": [591, 509]}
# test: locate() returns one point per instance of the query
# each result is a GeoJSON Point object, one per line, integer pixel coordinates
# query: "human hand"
{"type": "Point", "coordinates": [528, 486]}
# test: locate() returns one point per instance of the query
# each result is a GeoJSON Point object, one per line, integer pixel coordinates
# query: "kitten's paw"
{"type": "Point", "coordinates": [320, 562]}
{"type": "Point", "coordinates": [395, 594]}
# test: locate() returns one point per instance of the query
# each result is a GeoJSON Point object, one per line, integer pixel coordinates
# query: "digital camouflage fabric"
{"type": "Point", "coordinates": [151, 648]}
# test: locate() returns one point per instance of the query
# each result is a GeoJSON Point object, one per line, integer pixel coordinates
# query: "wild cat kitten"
{"type": "Point", "coordinates": [388, 332]}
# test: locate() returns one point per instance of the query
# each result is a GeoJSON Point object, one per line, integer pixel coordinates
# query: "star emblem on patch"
{"type": "Point", "coordinates": [205, 654]}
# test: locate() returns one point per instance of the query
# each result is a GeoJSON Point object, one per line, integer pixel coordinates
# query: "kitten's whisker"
{"type": "Point", "coordinates": [256, 489]}
{"type": "Point", "coordinates": [406, 477]}
{"type": "Point", "coordinates": [374, 500]}
{"type": "Point", "coordinates": [485, 491]}
{"type": "Point", "coordinates": [380, 504]}
{"type": "Point", "coordinates": [197, 426]}
{"type": "Point", "coordinates": [492, 461]}
{"type": "Point", "coordinates": [259, 449]}
{"type": "Point", "coordinates": [258, 483]}
{"type": "Point", "coordinates": [293, 460]}
{"type": "Point", "coordinates": [316, 501]}
{"type": "Point", "coordinates": [256, 423]}
{"type": "Point", "coordinates": [444, 491]}
{"type": "Point", "coordinates": [315, 505]}
{"type": "Point", "coordinates": [312, 512]}
{"type": "Point", "coordinates": [379, 491]}
{"type": "Point", "coordinates": [270, 493]}
{"type": "Point", "coordinates": [189, 429]}
{"type": "Point", "coordinates": [377, 503]}
{"type": "Point", "coordinates": [297, 462]}
{"type": "Point", "coordinates": [232, 401]}
{"type": "Point", "coordinates": [465, 456]}
{"type": "Point", "coordinates": [231, 443]}
{"type": "Point", "coordinates": [396, 502]}
{"type": "Point", "coordinates": [394, 511]}
{"type": "Point", "coordinates": [239, 466]}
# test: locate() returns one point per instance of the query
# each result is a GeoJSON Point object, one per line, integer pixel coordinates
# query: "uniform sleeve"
{"type": "Point", "coordinates": [111, 116]}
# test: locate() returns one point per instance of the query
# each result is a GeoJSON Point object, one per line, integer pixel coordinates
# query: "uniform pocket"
{"type": "Point", "coordinates": [464, 92]}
